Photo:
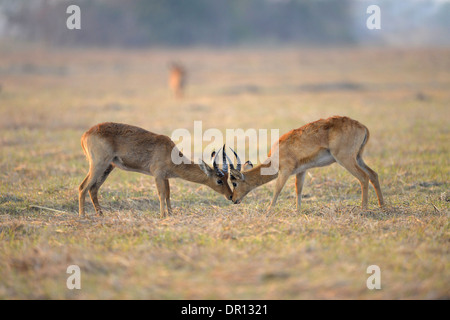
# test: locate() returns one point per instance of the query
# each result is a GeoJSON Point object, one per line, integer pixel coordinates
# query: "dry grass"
{"type": "Point", "coordinates": [209, 248]}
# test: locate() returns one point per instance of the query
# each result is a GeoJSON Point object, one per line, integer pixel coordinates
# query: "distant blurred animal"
{"type": "Point", "coordinates": [177, 79]}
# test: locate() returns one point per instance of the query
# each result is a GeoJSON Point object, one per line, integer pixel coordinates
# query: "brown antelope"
{"type": "Point", "coordinates": [317, 144]}
{"type": "Point", "coordinates": [177, 79]}
{"type": "Point", "coordinates": [110, 145]}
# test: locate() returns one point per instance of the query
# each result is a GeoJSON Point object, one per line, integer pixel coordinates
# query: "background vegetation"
{"type": "Point", "coordinates": [210, 248]}
{"type": "Point", "coordinates": [142, 23]}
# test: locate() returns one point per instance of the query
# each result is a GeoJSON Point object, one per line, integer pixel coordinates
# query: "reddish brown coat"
{"type": "Point", "coordinates": [115, 145]}
{"type": "Point", "coordinates": [319, 143]}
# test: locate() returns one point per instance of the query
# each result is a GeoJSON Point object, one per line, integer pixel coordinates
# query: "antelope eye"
{"type": "Point", "coordinates": [234, 184]}
{"type": "Point", "coordinates": [219, 182]}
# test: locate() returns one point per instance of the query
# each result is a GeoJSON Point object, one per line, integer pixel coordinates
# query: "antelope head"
{"type": "Point", "coordinates": [241, 184]}
{"type": "Point", "coordinates": [218, 177]}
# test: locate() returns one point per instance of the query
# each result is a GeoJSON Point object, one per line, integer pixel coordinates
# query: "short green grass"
{"type": "Point", "coordinates": [210, 248]}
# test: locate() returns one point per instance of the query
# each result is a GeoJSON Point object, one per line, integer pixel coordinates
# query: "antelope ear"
{"type": "Point", "coordinates": [237, 175]}
{"type": "Point", "coordinates": [205, 168]}
{"type": "Point", "coordinates": [248, 165]}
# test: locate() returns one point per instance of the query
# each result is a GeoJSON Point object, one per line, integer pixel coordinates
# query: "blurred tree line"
{"type": "Point", "coordinates": [180, 22]}
{"type": "Point", "coordinates": [225, 22]}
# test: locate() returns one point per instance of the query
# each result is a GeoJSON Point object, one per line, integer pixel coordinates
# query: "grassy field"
{"type": "Point", "coordinates": [210, 248]}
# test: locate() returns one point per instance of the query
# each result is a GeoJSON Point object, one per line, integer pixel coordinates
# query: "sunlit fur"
{"type": "Point", "coordinates": [114, 145]}
{"type": "Point", "coordinates": [317, 144]}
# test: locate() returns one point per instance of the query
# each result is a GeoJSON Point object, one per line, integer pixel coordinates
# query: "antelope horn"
{"type": "Point", "coordinates": [238, 165]}
{"type": "Point", "coordinates": [215, 166]}
{"type": "Point", "coordinates": [224, 159]}
{"type": "Point", "coordinates": [230, 162]}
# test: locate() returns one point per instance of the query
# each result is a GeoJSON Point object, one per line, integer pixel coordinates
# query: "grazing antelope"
{"type": "Point", "coordinates": [110, 145]}
{"type": "Point", "coordinates": [317, 144]}
{"type": "Point", "coordinates": [177, 79]}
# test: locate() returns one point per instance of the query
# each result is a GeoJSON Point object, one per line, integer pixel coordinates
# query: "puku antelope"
{"type": "Point", "coordinates": [110, 145]}
{"type": "Point", "coordinates": [177, 79]}
{"type": "Point", "coordinates": [317, 144]}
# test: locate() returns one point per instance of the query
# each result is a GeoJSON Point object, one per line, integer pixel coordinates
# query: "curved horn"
{"type": "Point", "coordinates": [215, 154]}
{"type": "Point", "coordinates": [230, 162]}
{"type": "Point", "coordinates": [238, 165]}
{"type": "Point", "coordinates": [215, 166]}
{"type": "Point", "coordinates": [224, 159]}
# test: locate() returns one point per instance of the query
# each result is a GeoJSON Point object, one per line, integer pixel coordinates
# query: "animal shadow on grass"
{"type": "Point", "coordinates": [112, 203]}
{"type": "Point", "coordinates": [344, 209]}
{"type": "Point", "coordinates": [5, 198]}
{"type": "Point", "coordinates": [11, 204]}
